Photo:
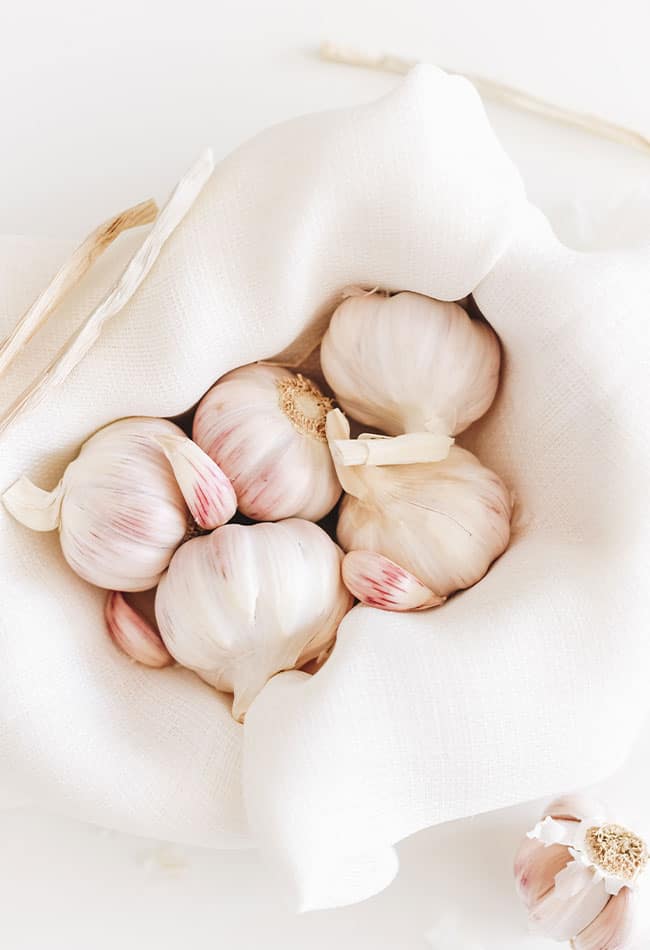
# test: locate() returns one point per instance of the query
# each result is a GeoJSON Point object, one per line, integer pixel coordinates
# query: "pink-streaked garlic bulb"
{"type": "Point", "coordinates": [577, 872]}
{"type": "Point", "coordinates": [442, 522]}
{"type": "Point", "coordinates": [409, 363]}
{"type": "Point", "coordinates": [241, 604]}
{"type": "Point", "coordinates": [123, 506]}
{"type": "Point", "coordinates": [265, 427]}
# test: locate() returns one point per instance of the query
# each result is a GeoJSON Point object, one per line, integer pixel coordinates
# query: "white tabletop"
{"type": "Point", "coordinates": [103, 105]}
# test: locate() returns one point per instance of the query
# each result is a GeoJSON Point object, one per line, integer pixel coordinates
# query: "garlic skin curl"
{"type": "Point", "coordinates": [265, 428]}
{"type": "Point", "coordinates": [127, 501]}
{"type": "Point", "coordinates": [248, 601]}
{"type": "Point", "coordinates": [409, 363]}
{"type": "Point", "coordinates": [443, 522]}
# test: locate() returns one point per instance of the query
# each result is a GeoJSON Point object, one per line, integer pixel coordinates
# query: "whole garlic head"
{"type": "Point", "coordinates": [247, 601]}
{"type": "Point", "coordinates": [444, 522]}
{"type": "Point", "coordinates": [265, 427]}
{"type": "Point", "coordinates": [577, 873]}
{"type": "Point", "coordinates": [127, 501]}
{"type": "Point", "coordinates": [409, 363]}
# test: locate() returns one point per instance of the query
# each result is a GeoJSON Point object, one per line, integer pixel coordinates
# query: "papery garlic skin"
{"type": "Point", "coordinates": [409, 363]}
{"type": "Point", "coordinates": [247, 601]}
{"type": "Point", "coordinates": [265, 427]}
{"type": "Point", "coordinates": [120, 509]}
{"type": "Point", "coordinates": [444, 522]}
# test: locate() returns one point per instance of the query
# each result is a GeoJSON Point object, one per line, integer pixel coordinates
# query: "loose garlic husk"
{"type": "Point", "coordinates": [576, 874]}
{"type": "Point", "coordinates": [124, 504]}
{"type": "Point", "coordinates": [444, 522]}
{"type": "Point", "coordinates": [409, 363]}
{"type": "Point", "coordinates": [265, 427]}
{"type": "Point", "coordinates": [247, 601]}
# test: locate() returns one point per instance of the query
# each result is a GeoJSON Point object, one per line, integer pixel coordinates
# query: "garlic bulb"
{"type": "Point", "coordinates": [408, 363]}
{"type": "Point", "coordinates": [247, 601]}
{"type": "Point", "coordinates": [576, 874]}
{"type": "Point", "coordinates": [123, 505]}
{"type": "Point", "coordinates": [443, 522]}
{"type": "Point", "coordinates": [265, 427]}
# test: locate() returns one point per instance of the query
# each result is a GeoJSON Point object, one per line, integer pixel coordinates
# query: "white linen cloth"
{"type": "Point", "coordinates": [532, 682]}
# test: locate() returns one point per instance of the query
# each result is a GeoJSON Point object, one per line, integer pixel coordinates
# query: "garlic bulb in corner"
{"type": "Point", "coordinates": [577, 874]}
{"type": "Point", "coordinates": [247, 601]}
{"type": "Point", "coordinates": [444, 522]}
{"type": "Point", "coordinates": [127, 501]}
{"type": "Point", "coordinates": [408, 363]}
{"type": "Point", "coordinates": [265, 427]}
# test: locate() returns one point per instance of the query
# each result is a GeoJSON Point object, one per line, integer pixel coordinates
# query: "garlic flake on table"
{"type": "Point", "coordinates": [247, 601]}
{"type": "Point", "coordinates": [265, 427]}
{"type": "Point", "coordinates": [409, 363]}
{"type": "Point", "coordinates": [443, 522]}
{"type": "Point", "coordinates": [123, 506]}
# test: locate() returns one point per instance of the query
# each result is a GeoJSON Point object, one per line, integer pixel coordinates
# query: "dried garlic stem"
{"type": "Point", "coordinates": [498, 92]}
{"type": "Point", "coordinates": [181, 200]}
{"type": "Point", "coordinates": [370, 449]}
{"type": "Point", "coordinates": [70, 274]}
{"type": "Point", "coordinates": [337, 429]}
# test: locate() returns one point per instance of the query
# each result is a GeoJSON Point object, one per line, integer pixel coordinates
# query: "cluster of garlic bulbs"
{"type": "Point", "coordinates": [144, 506]}
{"type": "Point", "coordinates": [421, 517]}
{"type": "Point", "coordinates": [577, 874]}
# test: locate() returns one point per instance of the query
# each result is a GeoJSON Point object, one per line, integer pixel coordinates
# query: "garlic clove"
{"type": "Point", "coordinates": [571, 905]}
{"type": "Point", "coordinates": [378, 582]}
{"type": "Point", "coordinates": [536, 866]}
{"type": "Point", "coordinates": [613, 927]}
{"type": "Point", "coordinates": [371, 449]}
{"type": "Point", "coordinates": [133, 634]}
{"type": "Point", "coordinates": [207, 491]}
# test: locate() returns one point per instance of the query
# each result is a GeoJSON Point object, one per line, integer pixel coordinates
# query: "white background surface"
{"type": "Point", "coordinates": [103, 105]}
